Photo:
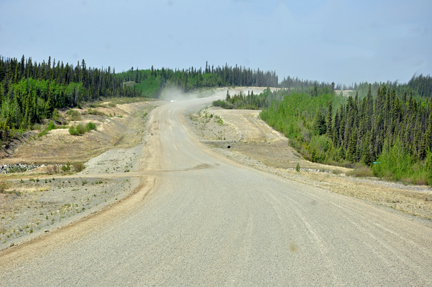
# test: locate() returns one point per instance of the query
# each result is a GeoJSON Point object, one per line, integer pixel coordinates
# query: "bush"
{"type": "Point", "coordinates": [51, 126]}
{"type": "Point", "coordinates": [90, 126]}
{"type": "Point", "coordinates": [95, 112]}
{"type": "Point", "coordinates": [428, 168]}
{"type": "Point", "coordinates": [80, 129]}
{"type": "Point", "coordinates": [395, 163]}
{"type": "Point", "coordinates": [361, 171]}
{"type": "Point", "coordinates": [73, 131]}
{"type": "Point", "coordinates": [78, 166]}
{"type": "Point", "coordinates": [298, 167]}
{"type": "Point", "coordinates": [2, 186]}
{"type": "Point", "coordinates": [66, 168]}
{"type": "Point", "coordinates": [74, 115]}
{"type": "Point", "coordinates": [53, 169]}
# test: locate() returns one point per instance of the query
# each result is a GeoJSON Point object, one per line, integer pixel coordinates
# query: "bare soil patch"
{"type": "Point", "coordinates": [119, 126]}
{"type": "Point", "coordinates": [46, 198]}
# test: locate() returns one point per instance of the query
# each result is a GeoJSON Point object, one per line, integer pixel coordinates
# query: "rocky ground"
{"type": "Point", "coordinates": [45, 198]}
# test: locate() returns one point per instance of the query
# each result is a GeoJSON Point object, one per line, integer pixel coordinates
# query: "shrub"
{"type": "Point", "coordinates": [53, 169]}
{"type": "Point", "coordinates": [78, 166]}
{"type": "Point", "coordinates": [2, 186]}
{"type": "Point", "coordinates": [74, 115]}
{"type": "Point", "coordinates": [66, 167]}
{"type": "Point", "coordinates": [95, 112]}
{"type": "Point", "coordinates": [80, 129]}
{"type": "Point", "coordinates": [90, 126]}
{"type": "Point", "coordinates": [51, 126]}
{"type": "Point", "coordinates": [361, 171]}
{"type": "Point", "coordinates": [298, 167]}
{"type": "Point", "coordinates": [73, 131]}
{"type": "Point", "coordinates": [42, 133]}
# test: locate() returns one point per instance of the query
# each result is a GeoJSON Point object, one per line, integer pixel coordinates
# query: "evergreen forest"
{"type": "Point", "coordinates": [150, 83]}
{"type": "Point", "coordinates": [31, 92]}
{"type": "Point", "coordinates": [388, 131]}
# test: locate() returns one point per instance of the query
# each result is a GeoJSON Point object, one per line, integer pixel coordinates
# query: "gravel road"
{"type": "Point", "coordinates": [201, 219]}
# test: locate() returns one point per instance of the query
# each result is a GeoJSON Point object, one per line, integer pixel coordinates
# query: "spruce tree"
{"type": "Point", "coordinates": [319, 123]}
{"type": "Point", "coordinates": [366, 155]}
{"type": "Point", "coordinates": [329, 118]}
{"type": "Point", "coordinates": [352, 147]}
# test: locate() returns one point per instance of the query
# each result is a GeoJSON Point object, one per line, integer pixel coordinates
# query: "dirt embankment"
{"type": "Point", "coordinates": [252, 142]}
{"type": "Point", "coordinates": [9, 146]}
{"type": "Point", "coordinates": [37, 201]}
{"type": "Point", "coordinates": [116, 126]}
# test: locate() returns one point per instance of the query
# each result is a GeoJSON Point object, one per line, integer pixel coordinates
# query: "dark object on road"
{"type": "Point", "coordinates": [229, 146]}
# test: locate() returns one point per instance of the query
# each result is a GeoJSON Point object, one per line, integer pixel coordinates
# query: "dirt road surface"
{"type": "Point", "coordinates": [201, 219]}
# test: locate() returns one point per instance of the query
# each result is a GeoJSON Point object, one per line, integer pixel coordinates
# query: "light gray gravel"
{"type": "Point", "coordinates": [209, 221]}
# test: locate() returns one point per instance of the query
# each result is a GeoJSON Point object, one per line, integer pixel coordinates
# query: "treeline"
{"type": "Point", "coordinates": [150, 83]}
{"type": "Point", "coordinates": [267, 97]}
{"type": "Point", "coordinates": [300, 84]}
{"type": "Point", "coordinates": [250, 101]}
{"type": "Point", "coordinates": [418, 86]}
{"type": "Point", "coordinates": [31, 91]}
{"type": "Point", "coordinates": [392, 129]}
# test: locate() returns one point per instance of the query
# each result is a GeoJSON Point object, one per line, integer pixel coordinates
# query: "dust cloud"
{"type": "Point", "coordinates": [173, 94]}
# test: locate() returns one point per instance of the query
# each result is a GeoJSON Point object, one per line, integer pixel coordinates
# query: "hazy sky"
{"type": "Point", "coordinates": [335, 40]}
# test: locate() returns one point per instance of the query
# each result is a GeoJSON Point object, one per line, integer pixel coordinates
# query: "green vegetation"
{"type": "Point", "coordinates": [241, 101]}
{"type": "Point", "coordinates": [31, 92]}
{"type": "Point", "coordinates": [91, 111]}
{"type": "Point", "coordinates": [50, 127]}
{"type": "Point", "coordinates": [66, 168]}
{"type": "Point", "coordinates": [418, 87]}
{"type": "Point", "coordinates": [150, 83]}
{"type": "Point", "coordinates": [392, 130]}
{"type": "Point", "coordinates": [74, 115]}
{"type": "Point", "coordinates": [388, 135]}
{"type": "Point", "coordinates": [80, 129]}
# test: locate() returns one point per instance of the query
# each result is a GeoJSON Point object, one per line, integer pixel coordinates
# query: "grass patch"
{"type": "Point", "coordinates": [361, 171]}
{"type": "Point", "coordinates": [91, 111]}
{"type": "Point", "coordinates": [51, 126]}
{"type": "Point", "coordinates": [74, 115]}
{"type": "Point", "coordinates": [3, 186]}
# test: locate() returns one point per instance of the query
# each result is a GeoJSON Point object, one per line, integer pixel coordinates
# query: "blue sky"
{"type": "Point", "coordinates": [340, 41]}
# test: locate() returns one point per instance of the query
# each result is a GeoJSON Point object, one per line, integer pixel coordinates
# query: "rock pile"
{"type": "Point", "coordinates": [8, 168]}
